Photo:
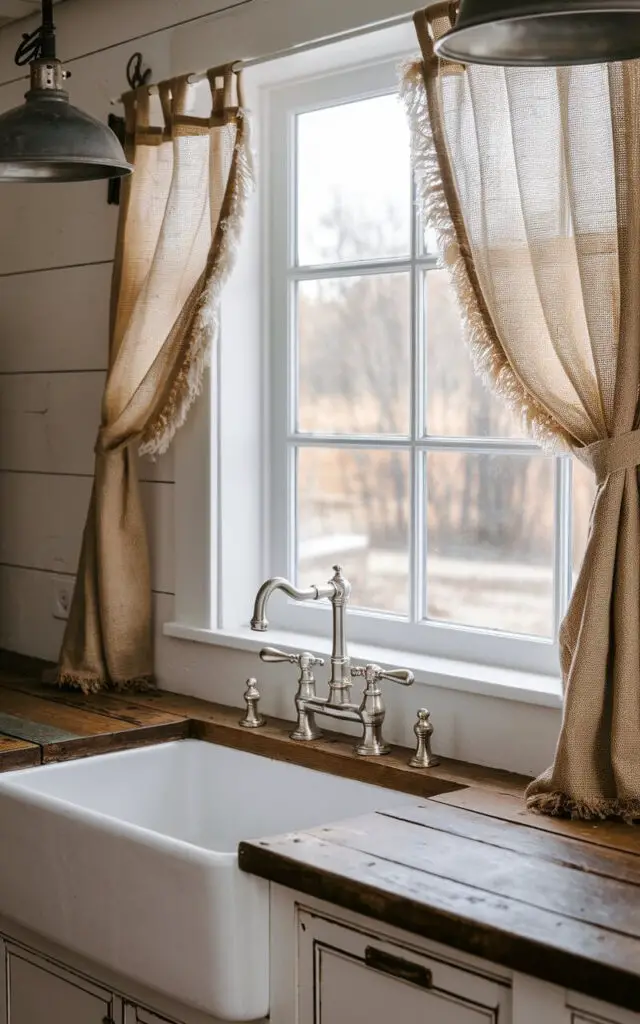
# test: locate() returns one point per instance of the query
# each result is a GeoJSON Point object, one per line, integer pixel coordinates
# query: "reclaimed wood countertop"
{"type": "Point", "coordinates": [471, 868]}
{"type": "Point", "coordinates": [40, 723]}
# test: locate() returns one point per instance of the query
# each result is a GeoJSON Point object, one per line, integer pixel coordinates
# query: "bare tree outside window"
{"type": "Point", "coordinates": [406, 468]}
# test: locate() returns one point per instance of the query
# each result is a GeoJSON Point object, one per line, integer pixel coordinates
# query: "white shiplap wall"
{"type": "Point", "coordinates": [56, 247]}
{"type": "Point", "coordinates": [55, 268]}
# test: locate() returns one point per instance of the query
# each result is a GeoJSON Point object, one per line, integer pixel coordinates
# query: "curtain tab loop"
{"type": "Point", "coordinates": [612, 455]}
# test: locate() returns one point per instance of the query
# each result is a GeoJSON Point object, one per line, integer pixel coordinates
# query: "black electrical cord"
{"type": "Point", "coordinates": [41, 42]}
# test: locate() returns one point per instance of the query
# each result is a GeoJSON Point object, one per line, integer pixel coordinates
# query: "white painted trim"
{"type": "Point", "coordinates": [347, 83]}
{"type": "Point", "coordinates": [466, 677]}
{"type": "Point", "coordinates": [244, 402]}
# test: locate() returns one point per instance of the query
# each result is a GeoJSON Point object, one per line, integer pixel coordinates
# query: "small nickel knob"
{"type": "Point", "coordinates": [423, 758]}
{"type": "Point", "coordinates": [252, 719]}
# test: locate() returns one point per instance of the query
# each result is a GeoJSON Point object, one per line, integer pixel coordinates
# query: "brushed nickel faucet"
{"type": "Point", "coordinates": [370, 713]}
{"type": "Point", "coordinates": [337, 590]}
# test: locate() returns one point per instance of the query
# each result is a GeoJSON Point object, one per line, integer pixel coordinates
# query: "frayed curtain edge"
{"type": "Point", "coordinates": [489, 359]}
{"type": "Point", "coordinates": [188, 384]}
{"type": "Point", "coordinates": [560, 805]}
{"type": "Point", "coordinates": [92, 684]}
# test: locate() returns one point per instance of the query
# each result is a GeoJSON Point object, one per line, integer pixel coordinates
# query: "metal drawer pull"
{"type": "Point", "coordinates": [398, 968]}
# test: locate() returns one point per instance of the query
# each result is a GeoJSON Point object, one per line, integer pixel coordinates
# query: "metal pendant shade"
{"type": "Point", "coordinates": [48, 139]}
{"type": "Point", "coordinates": [543, 33]}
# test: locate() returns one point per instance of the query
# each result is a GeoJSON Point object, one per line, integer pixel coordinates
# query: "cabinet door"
{"type": "Point", "coordinates": [347, 977]}
{"type": "Point", "coordinates": [41, 992]}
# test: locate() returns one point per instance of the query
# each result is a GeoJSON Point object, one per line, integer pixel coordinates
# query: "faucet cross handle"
{"type": "Point", "coordinates": [374, 674]}
{"type": "Point", "coordinates": [306, 728]}
{"type": "Point", "coordinates": [271, 655]}
{"type": "Point", "coordinates": [372, 709]}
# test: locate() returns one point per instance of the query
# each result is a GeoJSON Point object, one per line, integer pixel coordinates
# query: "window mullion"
{"type": "Point", "coordinates": [348, 441]}
{"type": "Point", "coordinates": [479, 445]}
{"type": "Point", "coordinates": [337, 270]}
{"type": "Point", "coordinates": [418, 536]}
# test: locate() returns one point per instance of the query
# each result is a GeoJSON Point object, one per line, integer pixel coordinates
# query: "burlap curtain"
{"type": "Point", "coordinates": [180, 218]}
{"type": "Point", "coordinates": [531, 178]}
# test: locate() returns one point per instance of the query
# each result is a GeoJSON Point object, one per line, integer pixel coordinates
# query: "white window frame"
{"type": "Point", "coordinates": [224, 474]}
{"type": "Point", "coordinates": [439, 639]}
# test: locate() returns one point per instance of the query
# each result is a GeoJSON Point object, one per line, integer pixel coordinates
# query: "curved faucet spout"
{"type": "Point", "coordinates": [259, 621]}
{"type": "Point", "coordinates": [337, 590]}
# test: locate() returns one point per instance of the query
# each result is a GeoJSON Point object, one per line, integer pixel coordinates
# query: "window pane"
{"type": "Point", "coordinates": [354, 346]}
{"type": "Point", "coordinates": [354, 182]}
{"type": "Point", "coordinates": [430, 242]}
{"type": "Point", "coordinates": [584, 493]}
{"type": "Point", "coordinates": [458, 403]}
{"type": "Point", "coordinates": [490, 541]}
{"type": "Point", "coordinates": [353, 508]}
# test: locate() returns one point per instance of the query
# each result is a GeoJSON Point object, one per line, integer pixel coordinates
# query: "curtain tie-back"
{"type": "Point", "coordinates": [612, 455]}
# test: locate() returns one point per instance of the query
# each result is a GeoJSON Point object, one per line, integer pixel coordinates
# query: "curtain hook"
{"type": "Point", "coordinates": [137, 75]}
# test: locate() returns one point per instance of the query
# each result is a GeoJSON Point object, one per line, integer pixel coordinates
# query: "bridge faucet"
{"type": "Point", "coordinates": [337, 590]}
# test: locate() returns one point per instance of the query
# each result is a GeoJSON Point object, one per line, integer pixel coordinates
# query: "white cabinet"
{"type": "Point", "coordinates": [346, 976]}
{"type": "Point", "coordinates": [39, 991]}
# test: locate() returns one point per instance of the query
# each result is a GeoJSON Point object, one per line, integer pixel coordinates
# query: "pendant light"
{"type": "Point", "coordinates": [543, 32]}
{"type": "Point", "coordinates": [47, 139]}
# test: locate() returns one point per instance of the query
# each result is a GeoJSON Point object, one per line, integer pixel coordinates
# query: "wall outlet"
{"type": "Point", "coordinates": [61, 596]}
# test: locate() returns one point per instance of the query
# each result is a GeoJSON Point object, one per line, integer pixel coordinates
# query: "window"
{"type": "Point", "coordinates": [388, 455]}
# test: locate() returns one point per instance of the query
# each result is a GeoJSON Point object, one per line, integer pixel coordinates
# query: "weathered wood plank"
{"type": "Point", "coordinates": [537, 942]}
{"type": "Point", "coordinates": [76, 721]}
{"type": "Point", "coordinates": [109, 742]}
{"type": "Point", "coordinates": [112, 705]}
{"type": "Point", "coordinates": [612, 834]}
{"type": "Point", "coordinates": [16, 753]}
{"type": "Point", "coordinates": [33, 732]}
{"type": "Point", "coordinates": [515, 877]}
{"type": "Point", "coordinates": [65, 731]}
{"type": "Point", "coordinates": [499, 835]}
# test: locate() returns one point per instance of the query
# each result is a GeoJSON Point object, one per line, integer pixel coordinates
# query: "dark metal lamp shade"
{"type": "Point", "coordinates": [543, 33]}
{"type": "Point", "coordinates": [48, 139]}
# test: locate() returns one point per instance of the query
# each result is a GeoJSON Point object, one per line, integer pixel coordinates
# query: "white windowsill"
{"type": "Point", "coordinates": [507, 684]}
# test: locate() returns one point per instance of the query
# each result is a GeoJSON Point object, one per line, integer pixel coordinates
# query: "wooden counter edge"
{"type": "Point", "coordinates": [569, 970]}
{"type": "Point", "coordinates": [107, 743]}
{"type": "Point", "coordinates": [16, 754]}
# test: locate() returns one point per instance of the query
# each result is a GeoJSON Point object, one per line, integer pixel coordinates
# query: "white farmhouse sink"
{"type": "Point", "coordinates": [131, 860]}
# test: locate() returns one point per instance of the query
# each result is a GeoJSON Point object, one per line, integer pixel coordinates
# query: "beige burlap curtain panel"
{"type": "Point", "coordinates": [531, 178]}
{"type": "Point", "coordinates": [180, 218]}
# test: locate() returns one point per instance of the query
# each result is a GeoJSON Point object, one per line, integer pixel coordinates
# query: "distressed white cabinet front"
{"type": "Point", "coordinates": [39, 991]}
{"type": "Point", "coordinates": [347, 977]}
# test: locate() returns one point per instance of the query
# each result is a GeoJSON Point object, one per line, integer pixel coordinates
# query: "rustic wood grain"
{"type": "Point", "coordinates": [17, 754]}
{"type": "Point", "coordinates": [515, 877]}
{"type": "Point", "coordinates": [507, 835]}
{"type": "Point", "coordinates": [108, 742]}
{"type": "Point", "coordinates": [112, 705]}
{"type": "Point", "coordinates": [538, 942]}
{"type": "Point", "coordinates": [71, 730]}
{"type": "Point", "coordinates": [612, 834]}
{"type": "Point", "coordinates": [79, 721]}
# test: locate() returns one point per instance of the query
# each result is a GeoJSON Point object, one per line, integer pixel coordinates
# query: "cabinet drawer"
{"type": "Point", "coordinates": [40, 991]}
{"type": "Point", "coordinates": [348, 977]}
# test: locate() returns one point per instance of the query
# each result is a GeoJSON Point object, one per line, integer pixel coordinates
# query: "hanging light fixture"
{"type": "Point", "coordinates": [47, 139]}
{"type": "Point", "coordinates": [543, 32]}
